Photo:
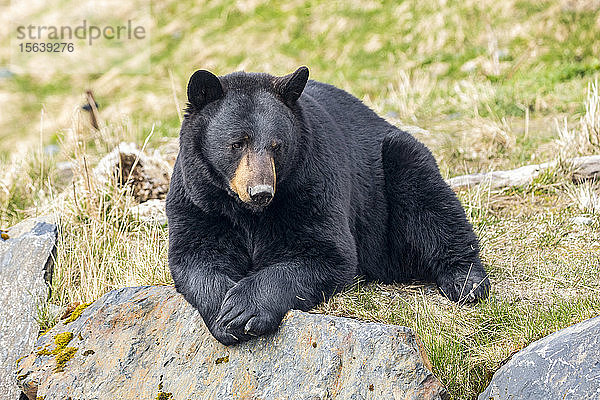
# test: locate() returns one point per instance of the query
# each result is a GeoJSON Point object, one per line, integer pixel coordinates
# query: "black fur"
{"type": "Point", "coordinates": [355, 196]}
{"type": "Point", "coordinates": [203, 88]}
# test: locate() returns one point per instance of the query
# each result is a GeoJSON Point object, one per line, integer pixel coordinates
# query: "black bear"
{"type": "Point", "coordinates": [285, 190]}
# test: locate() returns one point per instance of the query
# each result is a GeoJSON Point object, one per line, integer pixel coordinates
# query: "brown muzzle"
{"type": "Point", "coordinates": [254, 179]}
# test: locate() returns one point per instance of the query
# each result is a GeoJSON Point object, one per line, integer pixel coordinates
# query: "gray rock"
{"type": "Point", "coordinates": [152, 211]}
{"type": "Point", "coordinates": [6, 73]}
{"type": "Point", "coordinates": [564, 365]}
{"type": "Point", "coordinates": [585, 168]}
{"type": "Point", "coordinates": [25, 263]}
{"type": "Point", "coordinates": [582, 220]}
{"type": "Point", "coordinates": [64, 171]}
{"type": "Point", "coordinates": [148, 343]}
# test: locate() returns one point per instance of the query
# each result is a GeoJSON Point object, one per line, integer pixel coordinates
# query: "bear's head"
{"type": "Point", "coordinates": [241, 134]}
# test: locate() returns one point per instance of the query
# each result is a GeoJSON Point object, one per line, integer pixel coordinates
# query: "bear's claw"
{"type": "Point", "coordinates": [466, 286]}
{"type": "Point", "coordinates": [241, 318]}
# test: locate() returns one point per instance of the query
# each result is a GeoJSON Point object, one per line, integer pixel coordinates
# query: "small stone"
{"type": "Point", "coordinates": [582, 220]}
{"type": "Point", "coordinates": [64, 170]}
{"type": "Point", "coordinates": [151, 211]}
{"type": "Point", "coordinates": [51, 150]}
{"type": "Point", "coordinates": [470, 66]}
{"type": "Point", "coordinates": [6, 73]}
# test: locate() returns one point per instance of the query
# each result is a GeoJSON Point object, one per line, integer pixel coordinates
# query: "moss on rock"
{"type": "Point", "coordinates": [61, 352]}
{"type": "Point", "coordinates": [63, 356]}
{"type": "Point", "coordinates": [77, 312]}
{"type": "Point", "coordinates": [62, 339]}
{"type": "Point", "coordinates": [163, 395]}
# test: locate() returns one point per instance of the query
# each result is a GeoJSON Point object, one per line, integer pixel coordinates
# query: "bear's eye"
{"type": "Point", "coordinates": [240, 143]}
{"type": "Point", "coordinates": [276, 146]}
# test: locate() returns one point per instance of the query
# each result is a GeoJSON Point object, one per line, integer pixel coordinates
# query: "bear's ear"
{"type": "Point", "coordinates": [290, 86]}
{"type": "Point", "coordinates": [203, 88]}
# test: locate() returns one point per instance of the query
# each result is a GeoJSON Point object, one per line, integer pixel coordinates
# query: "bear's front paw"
{"type": "Point", "coordinates": [222, 336]}
{"type": "Point", "coordinates": [465, 286]}
{"type": "Point", "coordinates": [242, 317]}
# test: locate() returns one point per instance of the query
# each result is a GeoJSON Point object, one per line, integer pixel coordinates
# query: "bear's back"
{"type": "Point", "coordinates": [359, 133]}
{"type": "Point", "coordinates": [349, 113]}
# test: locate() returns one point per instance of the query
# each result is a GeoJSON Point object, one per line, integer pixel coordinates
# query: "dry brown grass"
{"type": "Point", "coordinates": [584, 138]}
{"type": "Point", "coordinates": [101, 245]}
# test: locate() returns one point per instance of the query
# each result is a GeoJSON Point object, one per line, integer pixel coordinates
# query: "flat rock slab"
{"type": "Point", "coordinates": [564, 365]}
{"type": "Point", "coordinates": [148, 343]}
{"type": "Point", "coordinates": [25, 261]}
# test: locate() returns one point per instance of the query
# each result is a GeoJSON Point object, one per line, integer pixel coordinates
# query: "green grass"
{"type": "Point", "coordinates": [485, 79]}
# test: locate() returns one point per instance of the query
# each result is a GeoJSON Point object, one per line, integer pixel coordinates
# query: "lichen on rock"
{"type": "Point", "coordinates": [62, 354]}
{"type": "Point", "coordinates": [63, 339]}
{"type": "Point", "coordinates": [163, 395]}
{"type": "Point", "coordinates": [63, 357]}
{"type": "Point", "coordinates": [222, 360]}
{"type": "Point", "coordinates": [76, 313]}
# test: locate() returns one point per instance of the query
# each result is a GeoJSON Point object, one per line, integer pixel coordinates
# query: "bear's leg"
{"type": "Point", "coordinates": [200, 280]}
{"type": "Point", "coordinates": [204, 261]}
{"type": "Point", "coordinates": [256, 304]}
{"type": "Point", "coordinates": [429, 235]}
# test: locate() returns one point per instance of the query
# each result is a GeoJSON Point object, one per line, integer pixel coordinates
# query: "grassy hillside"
{"type": "Point", "coordinates": [492, 83]}
{"type": "Point", "coordinates": [466, 69]}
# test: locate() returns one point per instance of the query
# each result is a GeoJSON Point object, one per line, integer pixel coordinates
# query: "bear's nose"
{"type": "Point", "coordinates": [261, 195]}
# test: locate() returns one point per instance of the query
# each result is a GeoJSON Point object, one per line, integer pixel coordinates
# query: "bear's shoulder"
{"type": "Point", "coordinates": [348, 112]}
